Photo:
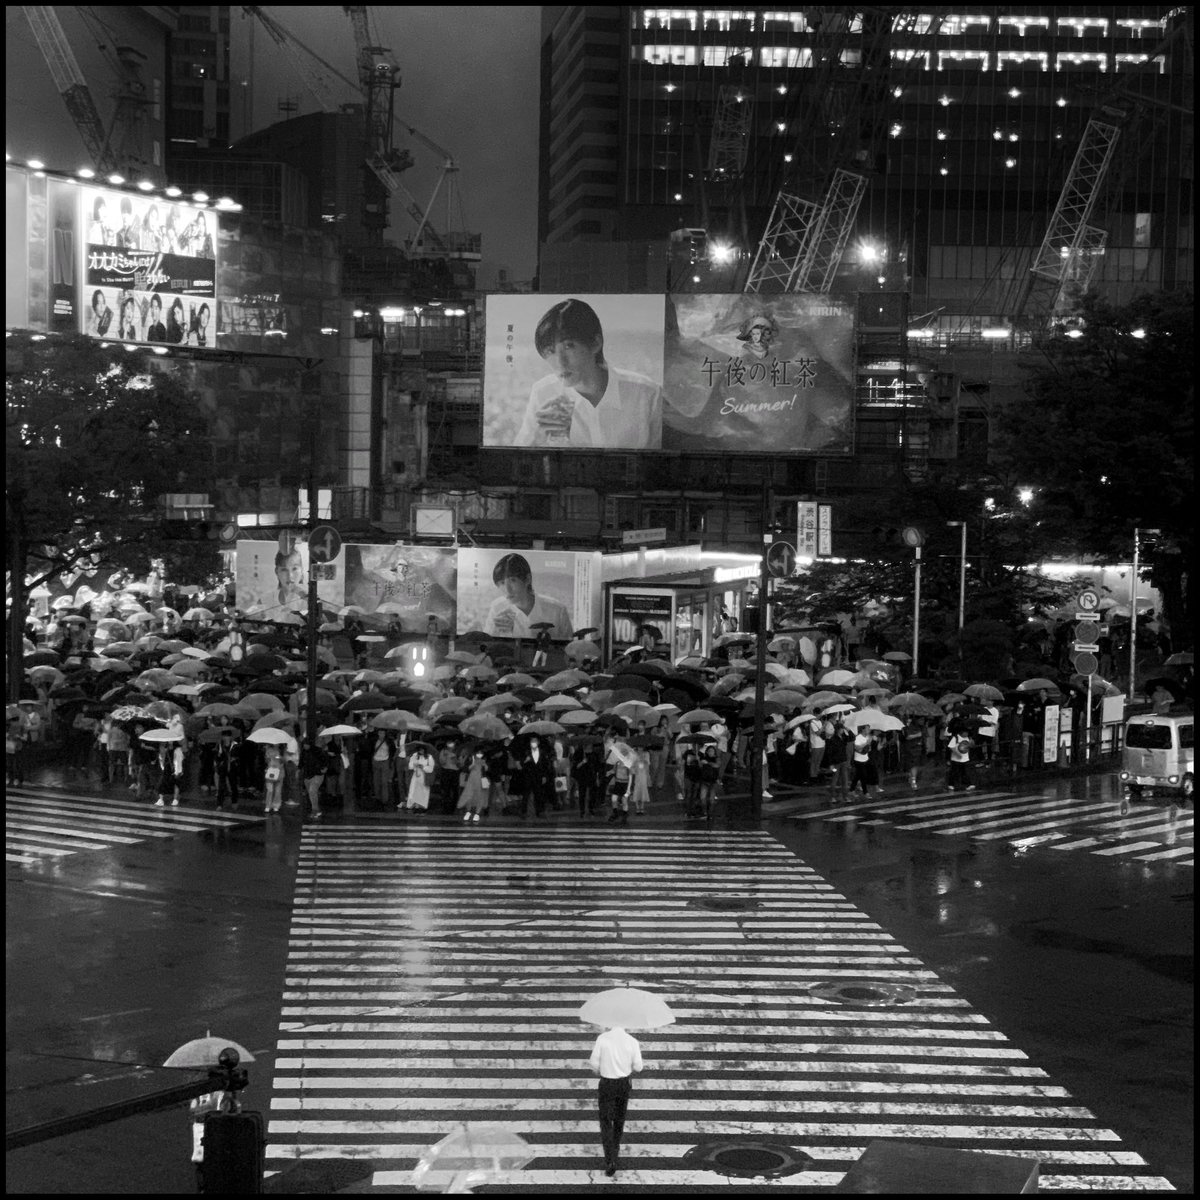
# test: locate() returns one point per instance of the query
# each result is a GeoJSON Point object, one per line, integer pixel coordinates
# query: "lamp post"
{"type": "Point", "coordinates": [962, 580]}
{"type": "Point", "coordinates": [913, 537]}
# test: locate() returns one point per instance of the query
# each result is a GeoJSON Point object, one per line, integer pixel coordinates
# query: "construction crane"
{"type": "Point", "coordinates": [316, 82]}
{"type": "Point", "coordinates": [802, 246]}
{"type": "Point", "coordinates": [107, 151]}
{"type": "Point", "coordinates": [379, 78]}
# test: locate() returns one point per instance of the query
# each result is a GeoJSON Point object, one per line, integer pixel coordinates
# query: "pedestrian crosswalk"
{"type": "Point", "coordinates": [435, 975]}
{"type": "Point", "coordinates": [1158, 834]}
{"type": "Point", "coordinates": [43, 825]}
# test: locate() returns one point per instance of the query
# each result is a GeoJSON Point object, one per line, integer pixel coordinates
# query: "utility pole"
{"type": "Point", "coordinates": [914, 537]}
{"type": "Point", "coordinates": [314, 607]}
{"type": "Point", "coordinates": [758, 738]}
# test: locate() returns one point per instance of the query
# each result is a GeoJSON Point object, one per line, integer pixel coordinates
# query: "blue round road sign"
{"type": "Point", "coordinates": [324, 544]}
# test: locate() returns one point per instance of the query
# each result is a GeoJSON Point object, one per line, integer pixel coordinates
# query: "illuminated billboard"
{"type": "Point", "coordinates": [149, 269]}
{"type": "Point", "coordinates": [511, 594]}
{"type": "Point", "coordinates": [582, 372]}
{"type": "Point", "coordinates": [721, 373]}
{"type": "Point", "coordinates": [759, 374]}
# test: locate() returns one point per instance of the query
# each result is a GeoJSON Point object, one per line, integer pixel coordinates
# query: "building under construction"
{"type": "Point", "coordinates": [965, 173]}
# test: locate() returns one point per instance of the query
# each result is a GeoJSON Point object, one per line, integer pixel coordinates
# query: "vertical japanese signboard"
{"type": "Point", "coordinates": [814, 529]}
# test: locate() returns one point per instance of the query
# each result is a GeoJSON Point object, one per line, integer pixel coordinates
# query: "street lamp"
{"type": "Point", "coordinates": [915, 538]}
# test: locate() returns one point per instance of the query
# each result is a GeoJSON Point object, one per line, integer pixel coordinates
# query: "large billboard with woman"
{"type": "Point", "coordinates": [721, 373]}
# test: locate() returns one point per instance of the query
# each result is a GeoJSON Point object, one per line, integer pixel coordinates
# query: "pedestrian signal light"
{"type": "Point", "coordinates": [825, 653]}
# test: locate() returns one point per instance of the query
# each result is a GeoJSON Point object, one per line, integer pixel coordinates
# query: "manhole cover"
{"type": "Point", "coordinates": [864, 992]}
{"type": "Point", "coordinates": [761, 1158]}
{"type": "Point", "coordinates": [724, 903]}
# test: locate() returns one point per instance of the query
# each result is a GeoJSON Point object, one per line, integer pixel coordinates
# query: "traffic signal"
{"type": "Point", "coordinates": [825, 653]}
{"type": "Point", "coordinates": [234, 1154]}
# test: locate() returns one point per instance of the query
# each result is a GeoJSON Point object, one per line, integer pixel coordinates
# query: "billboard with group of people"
{"type": "Point", "coordinates": [118, 265]}
{"type": "Point", "coordinates": [722, 373]}
{"type": "Point", "coordinates": [503, 593]}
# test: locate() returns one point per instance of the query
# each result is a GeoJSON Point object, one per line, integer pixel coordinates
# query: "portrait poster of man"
{"type": "Point", "coordinates": [149, 270]}
{"type": "Point", "coordinates": [509, 593]}
{"type": "Point", "coordinates": [407, 583]}
{"type": "Point", "coordinates": [271, 582]}
{"type": "Point", "coordinates": [759, 374]}
{"type": "Point", "coordinates": [575, 372]}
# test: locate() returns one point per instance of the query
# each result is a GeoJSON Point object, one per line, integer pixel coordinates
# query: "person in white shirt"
{"type": "Point", "coordinates": [586, 402]}
{"type": "Point", "coordinates": [615, 1057]}
{"type": "Point", "coordinates": [520, 608]}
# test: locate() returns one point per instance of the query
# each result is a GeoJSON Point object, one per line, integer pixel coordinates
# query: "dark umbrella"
{"type": "Point", "coordinates": [66, 694]}
{"type": "Point", "coordinates": [582, 633]}
{"type": "Point", "coordinates": [42, 658]}
{"type": "Point", "coordinates": [611, 721]}
{"type": "Point", "coordinates": [684, 692]}
{"type": "Point", "coordinates": [725, 705]}
{"type": "Point", "coordinates": [542, 625]}
{"type": "Point", "coordinates": [1168, 683]}
{"type": "Point", "coordinates": [696, 739]}
{"type": "Point", "coordinates": [628, 680]}
{"type": "Point", "coordinates": [367, 702]}
{"type": "Point", "coordinates": [532, 695]}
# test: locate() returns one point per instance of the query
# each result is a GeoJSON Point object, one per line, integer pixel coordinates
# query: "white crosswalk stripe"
{"type": "Point", "coordinates": [1027, 821]}
{"type": "Point", "coordinates": [42, 824]}
{"type": "Point", "coordinates": [434, 976]}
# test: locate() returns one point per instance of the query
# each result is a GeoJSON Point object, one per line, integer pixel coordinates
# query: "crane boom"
{"type": "Point", "coordinates": [293, 47]}
{"type": "Point", "coordinates": [68, 78]}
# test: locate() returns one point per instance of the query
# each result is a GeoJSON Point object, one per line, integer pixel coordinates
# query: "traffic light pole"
{"type": "Point", "coordinates": [758, 738]}
{"type": "Point", "coordinates": [313, 618]}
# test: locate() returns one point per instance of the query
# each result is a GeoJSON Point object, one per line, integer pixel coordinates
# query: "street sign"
{"type": "Point", "coordinates": [324, 544]}
{"type": "Point", "coordinates": [781, 559]}
{"type": "Point", "coordinates": [1089, 600]}
{"type": "Point", "coordinates": [1087, 634]}
{"type": "Point", "coordinates": [1086, 663]}
{"type": "Point", "coordinates": [641, 537]}
{"type": "Point", "coordinates": [229, 534]}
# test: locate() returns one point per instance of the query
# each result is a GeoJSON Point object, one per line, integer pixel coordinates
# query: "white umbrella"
{"type": "Point", "coordinates": [205, 1052]}
{"type": "Point", "coordinates": [627, 1008]}
{"type": "Point", "coordinates": [873, 718]}
{"type": "Point", "coordinates": [269, 736]}
{"type": "Point", "coordinates": [474, 1154]}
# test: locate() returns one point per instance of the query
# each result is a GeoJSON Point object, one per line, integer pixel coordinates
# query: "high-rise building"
{"type": "Point", "coordinates": [951, 150]}
{"type": "Point", "coordinates": [963, 122]}
{"type": "Point", "coordinates": [198, 81]}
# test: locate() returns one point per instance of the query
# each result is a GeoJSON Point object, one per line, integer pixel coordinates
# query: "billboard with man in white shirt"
{"type": "Point", "coordinates": [574, 372]}
{"type": "Point", "coordinates": [513, 594]}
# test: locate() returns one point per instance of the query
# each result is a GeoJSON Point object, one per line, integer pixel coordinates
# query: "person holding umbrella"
{"type": "Point", "coordinates": [226, 763]}
{"type": "Point", "coordinates": [475, 786]}
{"type": "Point", "coordinates": [537, 778]}
{"type": "Point", "coordinates": [170, 771]}
{"type": "Point", "coordinates": [273, 778]}
{"type": "Point", "coordinates": [421, 767]}
{"type": "Point", "coordinates": [542, 643]}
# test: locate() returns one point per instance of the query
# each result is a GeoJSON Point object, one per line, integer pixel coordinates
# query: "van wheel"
{"type": "Point", "coordinates": [1124, 806]}
{"type": "Point", "coordinates": [1185, 791]}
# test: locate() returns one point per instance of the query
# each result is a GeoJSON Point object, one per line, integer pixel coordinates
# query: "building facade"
{"type": "Point", "coordinates": [669, 132]}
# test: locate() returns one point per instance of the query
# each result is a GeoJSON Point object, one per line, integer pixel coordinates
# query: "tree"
{"type": "Point", "coordinates": [1105, 437]}
{"type": "Point", "coordinates": [94, 435]}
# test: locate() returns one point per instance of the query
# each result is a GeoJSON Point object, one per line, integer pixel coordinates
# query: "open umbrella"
{"type": "Point", "coordinates": [542, 728]}
{"type": "Point", "coordinates": [873, 718]}
{"type": "Point", "coordinates": [473, 1155]}
{"type": "Point", "coordinates": [486, 727]}
{"type": "Point", "coordinates": [451, 704]}
{"type": "Point", "coordinates": [206, 1052]}
{"type": "Point", "coordinates": [219, 710]}
{"type": "Point", "coordinates": [367, 702]}
{"type": "Point", "coordinates": [1035, 685]}
{"type": "Point", "coordinates": [262, 702]}
{"type": "Point", "coordinates": [339, 731]}
{"type": "Point", "coordinates": [576, 717]}
{"type": "Point", "coordinates": [626, 1008]}
{"type": "Point", "coordinates": [269, 736]}
{"type": "Point", "coordinates": [557, 704]}
{"type": "Point", "coordinates": [479, 672]}
{"type": "Point", "coordinates": [835, 710]}
{"type": "Point", "coordinates": [788, 697]}
{"type": "Point", "coordinates": [984, 691]}
{"type": "Point", "coordinates": [634, 711]}
{"type": "Point", "coordinates": [913, 704]}
{"type": "Point", "coordinates": [699, 716]}
{"type": "Point", "coordinates": [1184, 658]}
{"type": "Point", "coordinates": [563, 681]}
{"type": "Point", "coordinates": [274, 720]}
{"type": "Point", "coordinates": [516, 679]}
{"type": "Point", "coordinates": [836, 678]}
{"type": "Point", "coordinates": [162, 735]}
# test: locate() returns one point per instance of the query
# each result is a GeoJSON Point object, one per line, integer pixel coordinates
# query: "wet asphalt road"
{"type": "Point", "coordinates": [119, 953]}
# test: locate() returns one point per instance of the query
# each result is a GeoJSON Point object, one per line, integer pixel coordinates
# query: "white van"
{"type": "Point", "coordinates": [1159, 755]}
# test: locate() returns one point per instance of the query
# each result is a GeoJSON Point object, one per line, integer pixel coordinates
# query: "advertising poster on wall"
{"type": "Point", "coordinates": [574, 372]}
{"type": "Point", "coordinates": [746, 373]}
{"type": "Point", "coordinates": [408, 584]}
{"type": "Point", "coordinates": [270, 582]}
{"type": "Point", "coordinates": [507, 593]}
{"type": "Point", "coordinates": [633, 611]}
{"type": "Point", "coordinates": [150, 270]}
